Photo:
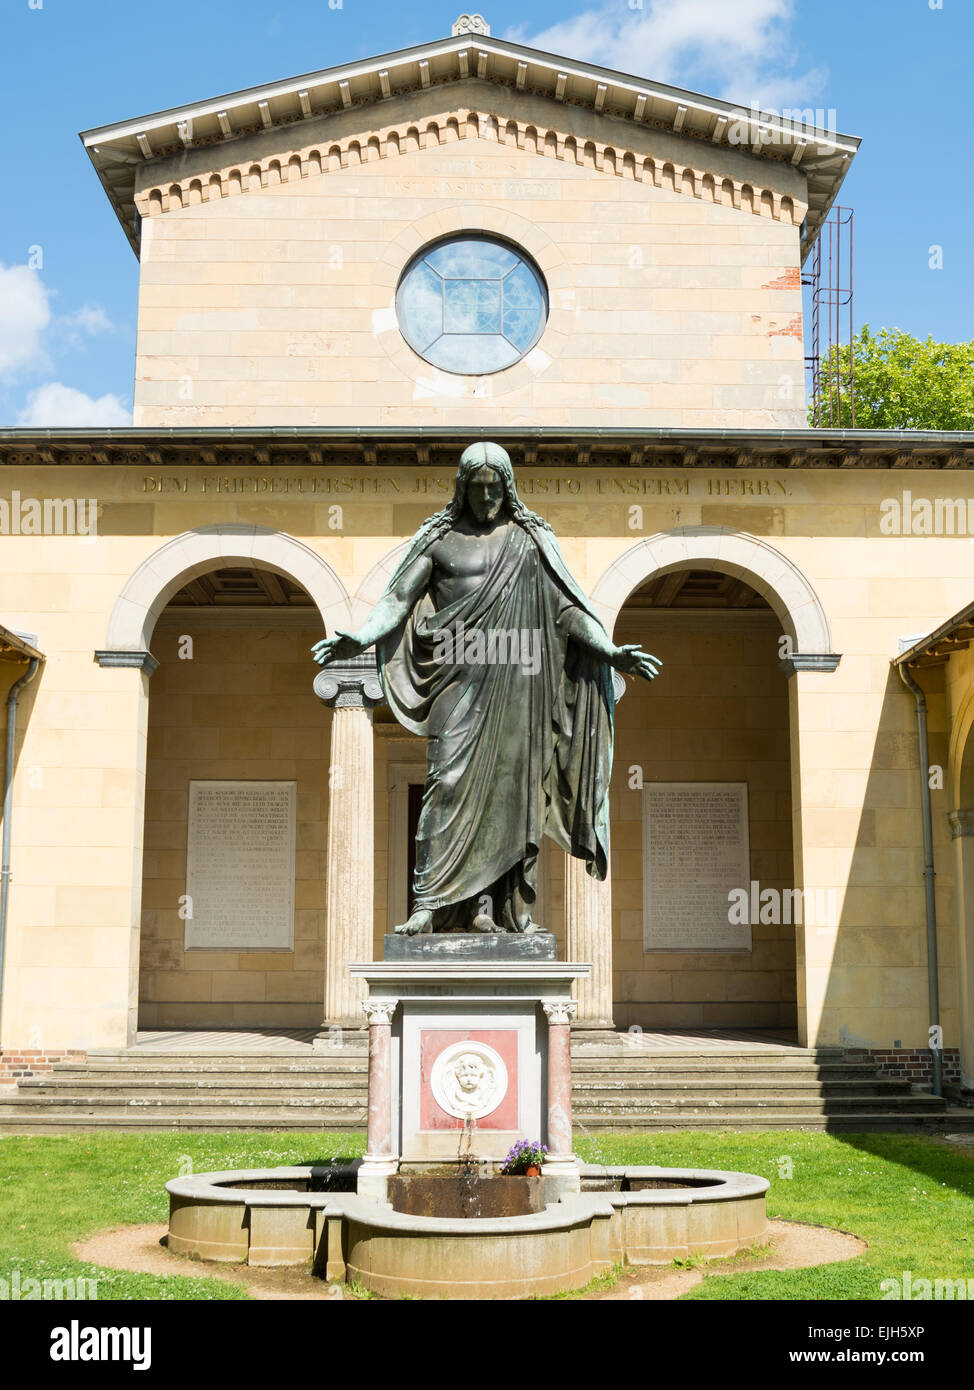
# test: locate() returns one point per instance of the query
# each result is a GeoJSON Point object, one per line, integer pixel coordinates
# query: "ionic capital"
{"type": "Point", "coordinates": [350, 684]}
{"type": "Point", "coordinates": [379, 1010]}
{"type": "Point", "coordinates": [961, 822]}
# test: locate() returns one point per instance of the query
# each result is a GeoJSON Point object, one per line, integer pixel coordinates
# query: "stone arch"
{"type": "Point", "coordinates": [772, 574]}
{"type": "Point", "coordinates": [150, 587]}
{"type": "Point", "coordinates": [373, 585]}
{"type": "Point", "coordinates": [960, 757]}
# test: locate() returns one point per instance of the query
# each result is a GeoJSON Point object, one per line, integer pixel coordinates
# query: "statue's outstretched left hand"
{"type": "Point", "coordinates": [633, 661]}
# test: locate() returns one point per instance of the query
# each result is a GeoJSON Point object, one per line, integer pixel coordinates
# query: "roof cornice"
{"type": "Point", "coordinates": [440, 446]}
{"type": "Point", "coordinates": [954, 635]}
{"type": "Point", "coordinates": [119, 149]}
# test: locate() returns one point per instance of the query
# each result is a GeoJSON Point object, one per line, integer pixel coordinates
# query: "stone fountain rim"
{"type": "Point", "coordinates": [571, 1209]}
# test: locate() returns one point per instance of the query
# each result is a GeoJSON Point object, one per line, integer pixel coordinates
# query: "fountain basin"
{"type": "Point", "coordinates": [313, 1216]}
{"type": "Point", "coordinates": [466, 1197]}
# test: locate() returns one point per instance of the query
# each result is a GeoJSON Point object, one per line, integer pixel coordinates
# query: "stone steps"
{"type": "Point", "coordinates": [851, 1122]}
{"type": "Point", "coordinates": [37, 1097]}
{"type": "Point", "coordinates": [640, 1091]}
{"type": "Point", "coordinates": [616, 1087]}
{"type": "Point", "coordinates": [151, 1082]}
{"type": "Point", "coordinates": [847, 1122]}
{"type": "Point", "coordinates": [633, 1066]}
{"type": "Point", "coordinates": [608, 1087]}
{"type": "Point", "coordinates": [825, 1105]}
{"type": "Point", "coordinates": [65, 1121]}
{"type": "Point", "coordinates": [249, 1057]}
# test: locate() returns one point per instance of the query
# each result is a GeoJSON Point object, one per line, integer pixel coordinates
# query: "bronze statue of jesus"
{"type": "Point", "coordinates": [487, 647]}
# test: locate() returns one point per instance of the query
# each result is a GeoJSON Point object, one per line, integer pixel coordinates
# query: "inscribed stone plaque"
{"type": "Point", "coordinates": [695, 851]}
{"type": "Point", "coordinates": [240, 866]}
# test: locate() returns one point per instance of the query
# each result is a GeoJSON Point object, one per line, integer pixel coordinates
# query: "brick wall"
{"type": "Point", "coordinates": [909, 1063]}
{"type": "Point", "coordinates": [16, 1064]}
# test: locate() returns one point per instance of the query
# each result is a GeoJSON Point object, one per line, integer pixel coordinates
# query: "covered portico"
{"type": "Point", "coordinates": [365, 857]}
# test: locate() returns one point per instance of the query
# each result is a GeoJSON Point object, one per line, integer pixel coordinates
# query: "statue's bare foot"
{"type": "Point", "coordinates": [420, 922]}
{"type": "Point", "coordinates": [484, 923]}
{"type": "Point", "coordinates": [531, 928]}
{"type": "Point", "coordinates": [526, 927]}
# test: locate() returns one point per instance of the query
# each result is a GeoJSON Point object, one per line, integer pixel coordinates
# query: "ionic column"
{"type": "Point", "coordinates": [351, 689]}
{"type": "Point", "coordinates": [588, 920]}
{"type": "Point", "coordinates": [380, 1161]}
{"type": "Point", "coordinates": [588, 924]}
{"type": "Point", "coordinates": [560, 1161]}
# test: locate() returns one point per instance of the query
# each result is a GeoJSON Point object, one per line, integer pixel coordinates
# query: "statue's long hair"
{"type": "Point", "coordinates": [473, 457]}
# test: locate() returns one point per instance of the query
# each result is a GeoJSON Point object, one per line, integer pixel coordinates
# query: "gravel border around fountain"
{"type": "Point", "coordinates": [341, 1236]}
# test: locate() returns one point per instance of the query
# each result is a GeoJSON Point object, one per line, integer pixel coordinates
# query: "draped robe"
{"type": "Point", "coordinates": [514, 753]}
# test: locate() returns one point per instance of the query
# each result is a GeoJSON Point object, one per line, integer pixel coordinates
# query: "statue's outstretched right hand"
{"type": "Point", "coordinates": [635, 662]}
{"type": "Point", "coordinates": [337, 648]}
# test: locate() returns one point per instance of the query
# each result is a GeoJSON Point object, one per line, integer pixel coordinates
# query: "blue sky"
{"type": "Point", "coordinates": [896, 73]}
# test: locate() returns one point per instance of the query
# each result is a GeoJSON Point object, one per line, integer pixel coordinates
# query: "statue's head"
{"type": "Point", "coordinates": [485, 482]}
{"type": "Point", "coordinates": [484, 490]}
{"type": "Point", "coordinates": [469, 1071]}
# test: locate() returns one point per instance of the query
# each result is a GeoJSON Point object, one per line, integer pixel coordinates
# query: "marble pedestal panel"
{"type": "Point", "coordinates": [466, 1057]}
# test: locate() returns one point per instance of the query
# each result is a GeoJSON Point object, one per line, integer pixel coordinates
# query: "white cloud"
{"type": "Point", "coordinates": [54, 406]}
{"type": "Point", "coordinates": [25, 314]}
{"type": "Point", "coordinates": [741, 50]}
{"type": "Point", "coordinates": [90, 319]}
{"type": "Point", "coordinates": [30, 335]}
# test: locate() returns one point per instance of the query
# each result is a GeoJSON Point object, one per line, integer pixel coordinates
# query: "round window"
{"type": "Point", "coordinates": [471, 305]}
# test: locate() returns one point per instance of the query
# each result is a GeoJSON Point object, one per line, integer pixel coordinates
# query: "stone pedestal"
{"type": "Point", "coordinates": [466, 1057]}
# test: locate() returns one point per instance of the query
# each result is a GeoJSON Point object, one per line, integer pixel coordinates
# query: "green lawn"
{"type": "Point", "coordinates": [910, 1198]}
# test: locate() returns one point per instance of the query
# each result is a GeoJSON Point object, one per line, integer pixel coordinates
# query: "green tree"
{"type": "Point", "coordinates": [901, 383]}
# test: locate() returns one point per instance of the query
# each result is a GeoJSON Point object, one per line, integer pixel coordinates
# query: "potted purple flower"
{"type": "Point", "coordinates": [525, 1159]}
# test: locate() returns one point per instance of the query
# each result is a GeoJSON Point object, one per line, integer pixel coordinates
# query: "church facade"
{"type": "Point", "coordinates": [344, 280]}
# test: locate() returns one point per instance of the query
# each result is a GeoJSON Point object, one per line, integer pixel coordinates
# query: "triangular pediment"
{"type": "Point", "coordinates": [432, 122]}
{"type": "Point", "coordinates": [595, 105]}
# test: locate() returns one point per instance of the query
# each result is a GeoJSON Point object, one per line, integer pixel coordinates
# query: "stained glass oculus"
{"type": "Point", "coordinates": [471, 305]}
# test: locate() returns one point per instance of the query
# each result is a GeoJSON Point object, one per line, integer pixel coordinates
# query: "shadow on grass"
{"type": "Point", "coordinates": [945, 1164]}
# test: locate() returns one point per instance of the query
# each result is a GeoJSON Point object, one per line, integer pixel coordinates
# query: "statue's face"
{"type": "Point", "coordinates": [469, 1073]}
{"type": "Point", "coordinates": [485, 494]}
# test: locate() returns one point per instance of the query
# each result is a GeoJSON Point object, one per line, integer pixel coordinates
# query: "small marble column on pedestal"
{"type": "Point", "coordinates": [561, 1162]}
{"type": "Point", "coordinates": [381, 1161]}
{"type": "Point", "coordinates": [351, 689]}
